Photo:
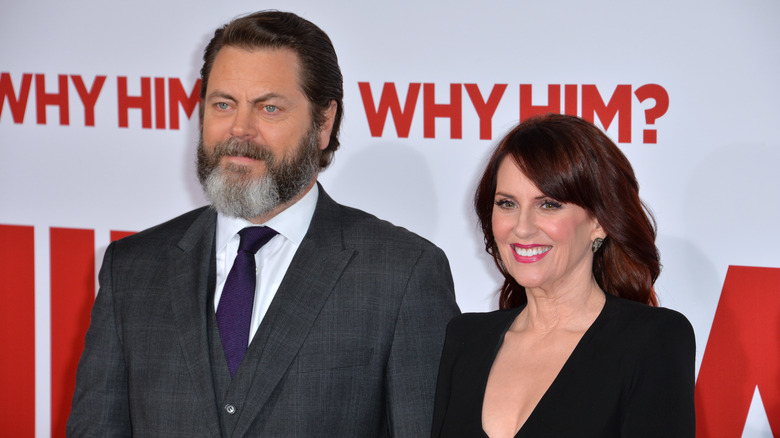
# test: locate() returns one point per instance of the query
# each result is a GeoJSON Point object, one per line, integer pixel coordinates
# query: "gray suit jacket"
{"type": "Point", "coordinates": [349, 347]}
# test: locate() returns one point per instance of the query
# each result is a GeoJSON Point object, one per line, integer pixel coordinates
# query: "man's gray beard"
{"type": "Point", "coordinates": [233, 191]}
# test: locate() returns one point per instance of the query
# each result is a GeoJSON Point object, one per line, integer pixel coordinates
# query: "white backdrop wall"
{"type": "Point", "coordinates": [80, 159]}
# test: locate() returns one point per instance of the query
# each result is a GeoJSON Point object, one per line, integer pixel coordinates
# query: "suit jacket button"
{"type": "Point", "coordinates": [230, 409]}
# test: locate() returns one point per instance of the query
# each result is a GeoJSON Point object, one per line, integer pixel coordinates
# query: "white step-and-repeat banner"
{"type": "Point", "coordinates": [98, 125]}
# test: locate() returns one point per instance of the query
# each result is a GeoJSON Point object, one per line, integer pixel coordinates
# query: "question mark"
{"type": "Point", "coordinates": [661, 97]}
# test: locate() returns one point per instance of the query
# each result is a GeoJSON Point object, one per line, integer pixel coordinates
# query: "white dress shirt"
{"type": "Point", "coordinates": [272, 260]}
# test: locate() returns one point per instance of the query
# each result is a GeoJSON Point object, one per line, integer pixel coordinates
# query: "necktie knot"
{"type": "Point", "coordinates": [253, 238]}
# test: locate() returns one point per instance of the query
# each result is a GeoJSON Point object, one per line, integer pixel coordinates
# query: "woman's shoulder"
{"type": "Point", "coordinates": [635, 316]}
{"type": "Point", "coordinates": [478, 324]}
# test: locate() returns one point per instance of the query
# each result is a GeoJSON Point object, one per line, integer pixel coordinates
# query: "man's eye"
{"type": "Point", "coordinates": [223, 105]}
{"type": "Point", "coordinates": [271, 108]}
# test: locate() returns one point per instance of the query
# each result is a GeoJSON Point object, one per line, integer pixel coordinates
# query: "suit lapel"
{"type": "Point", "coordinates": [189, 283]}
{"type": "Point", "coordinates": [312, 275]}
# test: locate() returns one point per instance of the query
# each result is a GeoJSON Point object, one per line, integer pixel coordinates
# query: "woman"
{"type": "Point", "coordinates": [579, 348]}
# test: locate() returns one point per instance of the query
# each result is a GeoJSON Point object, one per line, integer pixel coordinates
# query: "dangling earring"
{"type": "Point", "coordinates": [597, 244]}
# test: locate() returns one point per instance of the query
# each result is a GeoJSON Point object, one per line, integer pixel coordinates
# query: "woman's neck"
{"type": "Point", "coordinates": [569, 309]}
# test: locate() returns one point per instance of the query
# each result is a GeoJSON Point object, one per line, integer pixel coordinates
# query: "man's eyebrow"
{"type": "Point", "coordinates": [219, 94]}
{"type": "Point", "coordinates": [266, 97]}
{"type": "Point", "coordinates": [256, 100]}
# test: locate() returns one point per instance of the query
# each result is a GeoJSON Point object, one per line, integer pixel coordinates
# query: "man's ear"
{"type": "Point", "coordinates": [327, 125]}
{"type": "Point", "coordinates": [200, 115]}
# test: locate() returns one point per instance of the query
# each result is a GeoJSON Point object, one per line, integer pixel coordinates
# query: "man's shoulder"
{"type": "Point", "coordinates": [362, 227]}
{"type": "Point", "coordinates": [171, 230]}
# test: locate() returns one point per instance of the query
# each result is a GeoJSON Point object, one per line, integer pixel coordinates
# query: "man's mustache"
{"type": "Point", "coordinates": [242, 148]}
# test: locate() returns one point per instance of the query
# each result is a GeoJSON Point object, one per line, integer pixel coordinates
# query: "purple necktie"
{"type": "Point", "coordinates": [234, 313]}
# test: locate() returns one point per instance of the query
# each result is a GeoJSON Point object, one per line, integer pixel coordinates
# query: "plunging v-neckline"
{"type": "Point", "coordinates": [588, 334]}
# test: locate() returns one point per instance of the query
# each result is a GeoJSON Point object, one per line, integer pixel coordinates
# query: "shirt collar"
{"type": "Point", "coordinates": [292, 223]}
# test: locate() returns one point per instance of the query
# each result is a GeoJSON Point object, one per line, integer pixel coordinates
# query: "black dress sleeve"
{"type": "Point", "coordinates": [660, 399]}
{"type": "Point", "coordinates": [443, 382]}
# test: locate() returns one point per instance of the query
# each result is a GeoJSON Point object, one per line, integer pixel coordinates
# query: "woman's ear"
{"type": "Point", "coordinates": [598, 231]}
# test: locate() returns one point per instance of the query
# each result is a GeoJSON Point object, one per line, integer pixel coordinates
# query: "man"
{"type": "Point", "coordinates": [344, 324]}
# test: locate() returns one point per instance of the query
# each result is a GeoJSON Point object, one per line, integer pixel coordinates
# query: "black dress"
{"type": "Point", "coordinates": [631, 375]}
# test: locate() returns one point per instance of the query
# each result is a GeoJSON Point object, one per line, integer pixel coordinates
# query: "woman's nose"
{"type": "Point", "coordinates": [526, 224]}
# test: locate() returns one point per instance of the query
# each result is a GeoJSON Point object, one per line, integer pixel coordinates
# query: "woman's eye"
{"type": "Point", "coordinates": [551, 205]}
{"type": "Point", "coordinates": [504, 203]}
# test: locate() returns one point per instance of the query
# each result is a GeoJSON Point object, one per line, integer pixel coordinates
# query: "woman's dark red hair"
{"type": "Point", "coordinates": [573, 161]}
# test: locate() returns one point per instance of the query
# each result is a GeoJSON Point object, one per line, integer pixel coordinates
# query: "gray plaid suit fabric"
{"type": "Point", "coordinates": [349, 347]}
